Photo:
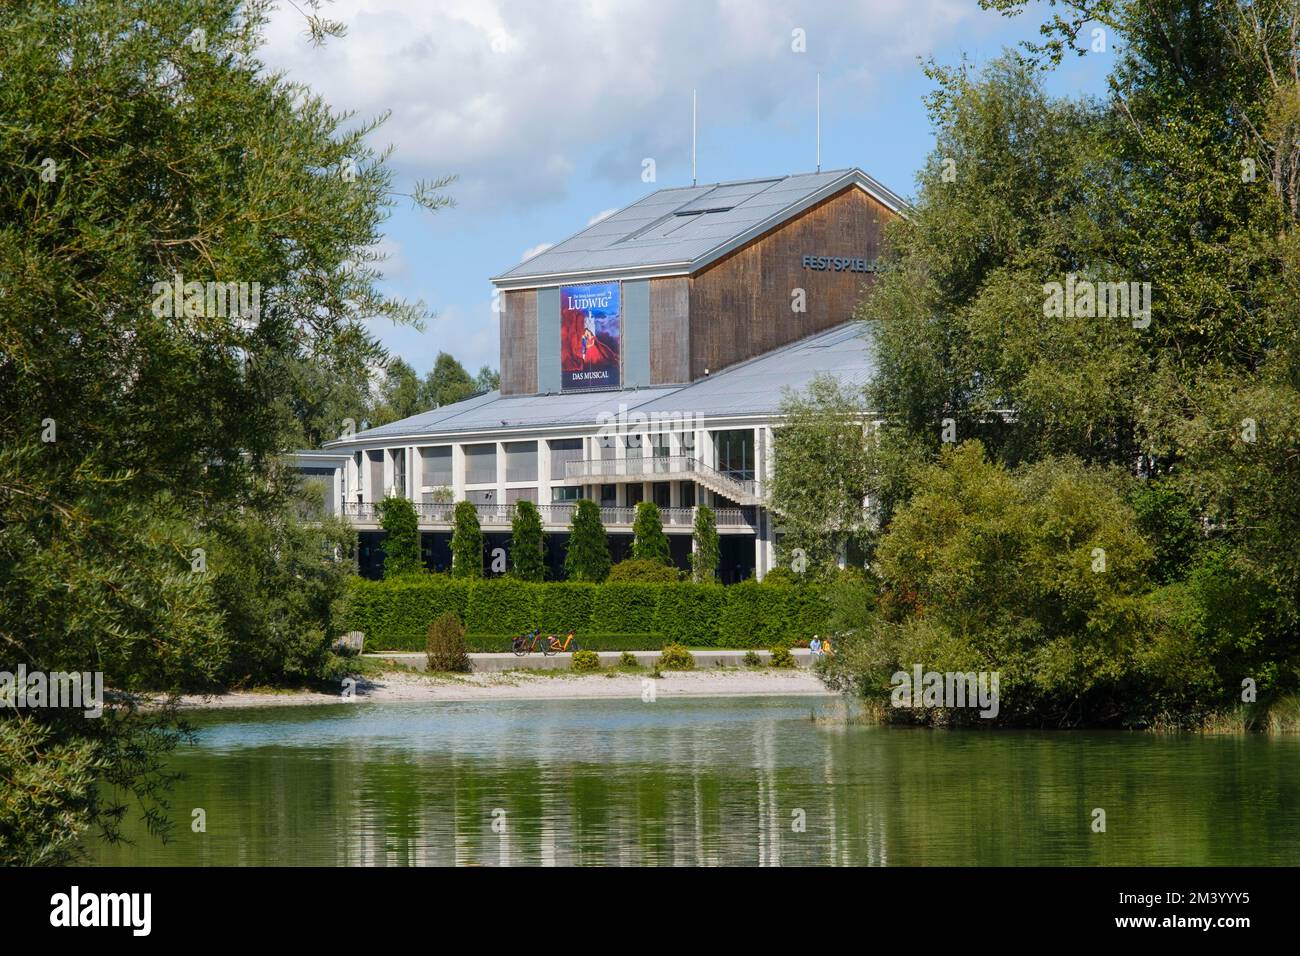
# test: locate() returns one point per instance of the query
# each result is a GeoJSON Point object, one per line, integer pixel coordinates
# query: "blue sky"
{"type": "Point", "coordinates": [546, 110]}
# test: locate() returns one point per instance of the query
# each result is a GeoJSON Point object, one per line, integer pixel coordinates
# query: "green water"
{"type": "Point", "coordinates": [709, 782]}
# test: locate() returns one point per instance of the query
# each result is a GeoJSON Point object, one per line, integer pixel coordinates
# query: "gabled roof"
{"type": "Point", "coordinates": [752, 388]}
{"type": "Point", "coordinates": [679, 231]}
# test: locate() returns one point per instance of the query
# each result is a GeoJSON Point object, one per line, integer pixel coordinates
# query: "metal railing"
{"type": "Point", "coordinates": [740, 485]}
{"type": "Point", "coordinates": [442, 514]}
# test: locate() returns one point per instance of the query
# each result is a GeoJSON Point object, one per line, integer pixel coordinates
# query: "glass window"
{"type": "Point", "coordinates": [521, 460]}
{"type": "Point", "coordinates": [735, 452]}
{"type": "Point", "coordinates": [399, 472]}
{"type": "Point", "coordinates": [566, 494]}
{"type": "Point", "coordinates": [480, 464]}
{"type": "Point", "coordinates": [435, 466]}
{"type": "Point", "coordinates": [563, 451]}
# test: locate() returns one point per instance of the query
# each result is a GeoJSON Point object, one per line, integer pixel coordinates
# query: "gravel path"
{"type": "Point", "coordinates": [401, 686]}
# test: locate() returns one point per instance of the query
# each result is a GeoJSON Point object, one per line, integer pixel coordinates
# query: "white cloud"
{"type": "Point", "coordinates": [515, 96]}
{"type": "Point", "coordinates": [536, 250]}
{"type": "Point", "coordinates": [603, 214]}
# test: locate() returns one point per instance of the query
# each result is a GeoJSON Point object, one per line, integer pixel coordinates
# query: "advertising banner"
{"type": "Point", "coordinates": [591, 329]}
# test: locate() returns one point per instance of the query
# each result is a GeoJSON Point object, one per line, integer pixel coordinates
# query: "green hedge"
{"type": "Point", "coordinates": [612, 616]}
{"type": "Point", "coordinates": [397, 613]}
{"type": "Point", "coordinates": [690, 614]}
{"type": "Point", "coordinates": [622, 606]}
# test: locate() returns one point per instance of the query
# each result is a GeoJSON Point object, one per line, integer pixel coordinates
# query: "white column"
{"type": "Point", "coordinates": [501, 473]}
{"type": "Point", "coordinates": [412, 474]}
{"type": "Point", "coordinates": [543, 471]}
{"type": "Point", "coordinates": [458, 472]}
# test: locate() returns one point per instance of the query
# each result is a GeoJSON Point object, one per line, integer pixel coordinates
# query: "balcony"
{"type": "Point", "coordinates": [739, 488]}
{"type": "Point", "coordinates": [555, 517]}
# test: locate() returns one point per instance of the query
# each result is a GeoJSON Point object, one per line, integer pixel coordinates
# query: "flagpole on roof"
{"type": "Point", "coordinates": [692, 137]}
{"type": "Point", "coordinates": [819, 122]}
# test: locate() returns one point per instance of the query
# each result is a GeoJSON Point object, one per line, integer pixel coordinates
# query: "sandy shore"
{"type": "Point", "coordinates": [404, 686]}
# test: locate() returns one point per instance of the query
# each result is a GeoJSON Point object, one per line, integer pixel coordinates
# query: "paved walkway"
{"type": "Point", "coordinates": [483, 663]}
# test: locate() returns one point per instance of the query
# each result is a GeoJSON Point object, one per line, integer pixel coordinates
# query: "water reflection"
{"type": "Point", "coordinates": [724, 782]}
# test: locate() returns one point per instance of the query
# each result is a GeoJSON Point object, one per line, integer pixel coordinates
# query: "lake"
{"type": "Point", "coordinates": [750, 781]}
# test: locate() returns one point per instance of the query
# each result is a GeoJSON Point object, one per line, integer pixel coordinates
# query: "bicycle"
{"type": "Point", "coordinates": [553, 645]}
{"type": "Point", "coordinates": [526, 643]}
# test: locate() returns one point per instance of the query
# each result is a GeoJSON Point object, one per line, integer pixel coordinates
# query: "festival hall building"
{"type": "Point", "coordinates": [643, 359]}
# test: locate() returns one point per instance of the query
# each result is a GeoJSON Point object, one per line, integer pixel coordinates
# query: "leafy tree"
{"type": "Point", "coordinates": [1038, 573]}
{"type": "Point", "coordinates": [446, 383]}
{"type": "Point", "coordinates": [402, 545]}
{"type": "Point", "coordinates": [280, 581]}
{"type": "Point", "coordinates": [649, 543]}
{"type": "Point", "coordinates": [527, 543]}
{"type": "Point", "coordinates": [704, 559]}
{"type": "Point", "coordinates": [466, 542]}
{"type": "Point", "coordinates": [587, 557]}
{"type": "Point", "coordinates": [488, 379]}
{"type": "Point", "coordinates": [1185, 178]}
{"type": "Point", "coordinates": [151, 374]}
{"type": "Point", "coordinates": [825, 465]}
{"type": "Point", "coordinates": [400, 395]}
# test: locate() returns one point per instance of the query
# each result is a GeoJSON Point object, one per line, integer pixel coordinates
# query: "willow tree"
{"type": "Point", "coordinates": [179, 227]}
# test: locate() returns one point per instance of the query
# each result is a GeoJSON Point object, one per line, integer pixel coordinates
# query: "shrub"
{"type": "Point", "coordinates": [627, 659]}
{"type": "Point", "coordinates": [781, 656]}
{"type": "Point", "coordinates": [445, 645]}
{"type": "Point", "coordinates": [675, 657]}
{"type": "Point", "coordinates": [586, 660]}
{"type": "Point", "coordinates": [752, 659]}
{"type": "Point", "coordinates": [644, 571]}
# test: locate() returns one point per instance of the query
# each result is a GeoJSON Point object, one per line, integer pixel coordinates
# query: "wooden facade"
{"type": "Point", "coordinates": [519, 343]}
{"type": "Point", "coordinates": [737, 307]}
{"type": "Point", "coordinates": [741, 305]}
{"type": "Point", "coordinates": [670, 331]}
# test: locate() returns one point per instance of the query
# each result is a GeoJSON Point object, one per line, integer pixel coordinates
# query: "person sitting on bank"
{"type": "Point", "coordinates": [826, 648]}
{"type": "Point", "coordinates": [815, 645]}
